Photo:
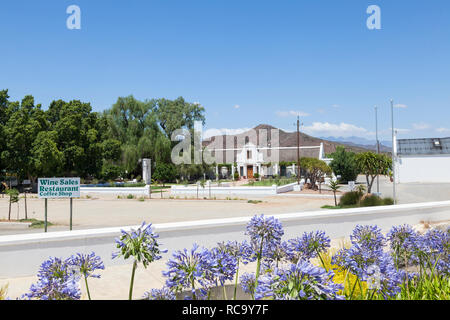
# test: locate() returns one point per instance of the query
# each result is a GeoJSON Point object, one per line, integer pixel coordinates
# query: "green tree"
{"type": "Point", "coordinates": [24, 124]}
{"type": "Point", "coordinates": [133, 123]}
{"type": "Point", "coordinates": [315, 170]}
{"type": "Point", "coordinates": [79, 137]}
{"type": "Point", "coordinates": [177, 114]}
{"type": "Point", "coordinates": [4, 116]}
{"type": "Point", "coordinates": [47, 159]}
{"type": "Point", "coordinates": [344, 164]}
{"type": "Point", "coordinates": [371, 165]}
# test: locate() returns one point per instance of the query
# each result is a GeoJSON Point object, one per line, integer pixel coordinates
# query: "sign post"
{"type": "Point", "coordinates": [57, 188]}
{"type": "Point", "coordinates": [45, 219]}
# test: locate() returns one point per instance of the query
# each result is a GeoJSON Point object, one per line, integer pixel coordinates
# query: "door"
{"type": "Point", "coordinates": [250, 172]}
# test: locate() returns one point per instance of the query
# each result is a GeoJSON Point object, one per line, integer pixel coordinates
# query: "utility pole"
{"type": "Point", "coordinates": [378, 145]}
{"type": "Point", "coordinates": [393, 157]}
{"type": "Point", "coordinates": [298, 150]}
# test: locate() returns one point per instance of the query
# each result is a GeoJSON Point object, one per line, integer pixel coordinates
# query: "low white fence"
{"type": "Point", "coordinates": [136, 191]}
{"type": "Point", "coordinates": [21, 255]}
{"type": "Point", "coordinates": [212, 191]}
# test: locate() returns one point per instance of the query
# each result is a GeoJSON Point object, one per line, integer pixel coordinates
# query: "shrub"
{"type": "Point", "coordinates": [388, 201]}
{"type": "Point", "coordinates": [371, 201]}
{"type": "Point", "coordinates": [350, 198]}
{"type": "Point", "coordinates": [130, 196]}
{"type": "Point", "coordinates": [236, 176]}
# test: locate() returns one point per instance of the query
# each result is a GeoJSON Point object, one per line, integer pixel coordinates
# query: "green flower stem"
{"type": "Point", "coordinates": [258, 265]}
{"type": "Point", "coordinates": [236, 280]}
{"type": "Point", "coordinates": [130, 294]}
{"type": "Point", "coordinates": [87, 287]}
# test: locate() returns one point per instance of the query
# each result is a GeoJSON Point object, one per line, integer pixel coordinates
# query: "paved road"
{"type": "Point", "coordinates": [412, 192]}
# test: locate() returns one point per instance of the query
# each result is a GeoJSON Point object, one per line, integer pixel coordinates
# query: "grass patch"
{"type": "Point", "coordinates": [270, 182]}
{"type": "Point", "coordinates": [36, 224]}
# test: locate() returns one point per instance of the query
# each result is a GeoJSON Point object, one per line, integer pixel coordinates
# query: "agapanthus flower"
{"type": "Point", "coordinates": [195, 270]}
{"type": "Point", "coordinates": [247, 281]}
{"type": "Point", "coordinates": [438, 249]}
{"type": "Point", "coordinates": [226, 265]}
{"type": "Point", "coordinates": [365, 254]}
{"type": "Point", "coordinates": [160, 294]}
{"type": "Point", "coordinates": [368, 237]}
{"type": "Point", "coordinates": [265, 232]}
{"type": "Point", "coordinates": [308, 246]}
{"type": "Point", "coordinates": [403, 243]}
{"type": "Point", "coordinates": [56, 281]}
{"type": "Point", "coordinates": [275, 255]}
{"type": "Point", "coordinates": [242, 251]}
{"type": "Point", "coordinates": [141, 244]}
{"type": "Point", "coordinates": [86, 264]}
{"type": "Point", "coordinates": [299, 281]}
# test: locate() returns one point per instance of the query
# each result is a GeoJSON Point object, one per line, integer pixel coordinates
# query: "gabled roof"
{"type": "Point", "coordinates": [426, 146]}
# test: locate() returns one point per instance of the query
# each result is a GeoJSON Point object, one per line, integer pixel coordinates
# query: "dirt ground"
{"type": "Point", "coordinates": [109, 211]}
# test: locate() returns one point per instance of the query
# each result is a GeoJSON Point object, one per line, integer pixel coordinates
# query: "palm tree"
{"type": "Point", "coordinates": [334, 186]}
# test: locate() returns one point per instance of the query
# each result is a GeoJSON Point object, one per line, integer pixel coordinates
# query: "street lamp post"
{"type": "Point", "coordinates": [393, 151]}
{"type": "Point", "coordinates": [378, 145]}
{"type": "Point", "coordinates": [298, 150]}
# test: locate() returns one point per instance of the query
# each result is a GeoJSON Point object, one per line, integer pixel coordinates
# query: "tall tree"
{"type": "Point", "coordinates": [4, 115]}
{"type": "Point", "coordinates": [78, 136]}
{"type": "Point", "coordinates": [344, 164]}
{"type": "Point", "coordinates": [47, 159]}
{"type": "Point", "coordinates": [315, 170]}
{"type": "Point", "coordinates": [371, 165]}
{"type": "Point", "coordinates": [177, 114]}
{"type": "Point", "coordinates": [135, 124]}
{"type": "Point", "coordinates": [21, 129]}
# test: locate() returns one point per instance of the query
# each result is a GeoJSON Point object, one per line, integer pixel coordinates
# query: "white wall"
{"type": "Point", "coordinates": [137, 191]}
{"type": "Point", "coordinates": [426, 169]}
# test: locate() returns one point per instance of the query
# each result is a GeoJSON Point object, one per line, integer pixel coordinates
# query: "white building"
{"type": "Point", "coordinates": [250, 160]}
{"type": "Point", "coordinates": [422, 160]}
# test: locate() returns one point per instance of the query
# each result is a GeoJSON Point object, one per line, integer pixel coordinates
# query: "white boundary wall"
{"type": "Point", "coordinates": [230, 191]}
{"type": "Point", "coordinates": [137, 191]}
{"type": "Point", "coordinates": [424, 169]}
{"type": "Point", "coordinates": [21, 255]}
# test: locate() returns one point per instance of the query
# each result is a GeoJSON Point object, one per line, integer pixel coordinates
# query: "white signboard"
{"type": "Point", "coordinates": [59, 188]}
{"type": "Point", "coordinates": [351, 185]}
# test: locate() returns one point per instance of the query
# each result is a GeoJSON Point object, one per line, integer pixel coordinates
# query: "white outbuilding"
{"type": "Point", "coordinates": [422, 160]}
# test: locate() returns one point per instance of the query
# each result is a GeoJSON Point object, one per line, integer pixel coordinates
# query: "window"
{"type": "Point", "coordinates": [249, 154]}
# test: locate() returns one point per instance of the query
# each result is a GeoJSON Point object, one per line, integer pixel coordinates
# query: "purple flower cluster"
{"type": "Point", "coordinates": [86, 264]}
{"type": "Point", "coordinates": [403, 242]}
{"type": "Point", "coordinates": [300, 281]}
{"type": "Point", "coordinates": [247, 281]}
{"type": "Point", "coordinates": [56, 281]}
{"type": "Point", "coordinates": [365, 255]}
{"type": "Point", "coordinates": [140, 244]}
{"type": "Point", "coordinates": [160, 294]}
{"type": "Point", "coordinates": [308, 246]}
{"type": "Point", "coordinates": [196, 270]}
{"type": "Point", "coordinates": [242, 251]}
{"type": "Point", "coordinates": [226, 264]}
{"type": "Point", "coordinates": [265, 232]}
{"type": "Point", "coordinates": [431, 250]}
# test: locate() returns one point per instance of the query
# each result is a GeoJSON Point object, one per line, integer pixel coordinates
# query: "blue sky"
{"type": "Point", "coordinates": [247, 62]}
